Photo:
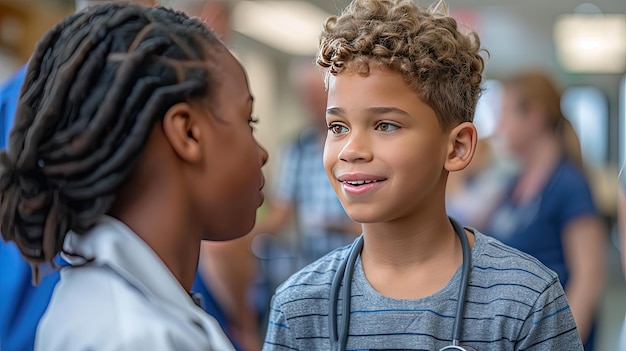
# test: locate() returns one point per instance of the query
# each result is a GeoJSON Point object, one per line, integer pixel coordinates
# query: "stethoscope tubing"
{"type": "Point", "coordinates": [339, 342]}
{"type": "Point", "coordinates": [465, 272]}
{"type": "Point", "coordinates": [339, 336]}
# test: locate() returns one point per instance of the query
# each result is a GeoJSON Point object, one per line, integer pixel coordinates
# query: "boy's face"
{"type": "Point", "coordinates": [385, 150]}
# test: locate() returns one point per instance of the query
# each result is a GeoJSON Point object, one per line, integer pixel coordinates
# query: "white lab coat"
{"type": "Point", "coordinates": [118, 295]}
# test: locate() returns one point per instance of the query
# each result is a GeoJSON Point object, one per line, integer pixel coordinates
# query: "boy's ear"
{"type": "Point", "coordinates": [461, 146]}
{"type": "Point", "coordinates": [182, 130]}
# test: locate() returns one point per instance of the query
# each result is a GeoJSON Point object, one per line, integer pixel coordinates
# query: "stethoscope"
{"type": "Point", "coordinates": [339, 336]}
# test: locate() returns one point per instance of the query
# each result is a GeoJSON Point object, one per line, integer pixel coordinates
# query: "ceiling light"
{"type": "Point", "coordinates": [591, 43]}
{"type": "Point", "coordinates": [293, 27]}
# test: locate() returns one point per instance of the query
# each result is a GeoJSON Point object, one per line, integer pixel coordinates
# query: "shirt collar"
{"type": "Point", "coordinates": [112, 244]}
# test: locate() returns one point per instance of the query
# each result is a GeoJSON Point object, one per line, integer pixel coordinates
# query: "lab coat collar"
{"type": "Point", "coordinates": [112, 244]}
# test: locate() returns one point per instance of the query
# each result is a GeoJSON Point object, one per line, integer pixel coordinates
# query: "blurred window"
{"type": "Point", "coordinates": [488, 108]}
{"type": "Point", "coordinates": [587, 109]}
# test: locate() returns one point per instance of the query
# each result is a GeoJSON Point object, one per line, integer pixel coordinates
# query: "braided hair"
{"type": "Point", "coordinates": [96, 84]}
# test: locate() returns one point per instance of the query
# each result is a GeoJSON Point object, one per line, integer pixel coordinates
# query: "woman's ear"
{"type": "Point", "coordinates": [461, 146]}
{"type": "Point", "coordinates": [182, 130]}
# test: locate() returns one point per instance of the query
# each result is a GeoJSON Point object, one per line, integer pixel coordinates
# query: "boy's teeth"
{"type": "Point", "coordinates": [360, 182]}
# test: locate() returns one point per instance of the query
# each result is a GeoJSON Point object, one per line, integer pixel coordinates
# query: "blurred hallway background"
{"type": "Point", "coordinates": [582, 44]}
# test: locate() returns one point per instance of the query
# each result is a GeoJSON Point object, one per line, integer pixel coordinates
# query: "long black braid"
{"type": "Point", "coordinates": [96, 84]}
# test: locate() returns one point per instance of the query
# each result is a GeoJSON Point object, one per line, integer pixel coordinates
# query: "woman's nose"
{"type": "Point", "coordinates": [263, 154]}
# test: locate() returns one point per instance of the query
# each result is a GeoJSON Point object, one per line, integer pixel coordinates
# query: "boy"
{"type": "Point", "coordinates": [402, 88]}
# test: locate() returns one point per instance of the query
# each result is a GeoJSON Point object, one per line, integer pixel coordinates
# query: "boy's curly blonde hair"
{"type": "Point", "coordinates": [439, 62]}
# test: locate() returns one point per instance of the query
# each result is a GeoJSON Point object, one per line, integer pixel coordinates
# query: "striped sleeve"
{"type": "Point", "coordinates": [550, 325]}
{"type": "Point", "coordinates": [279, 336]}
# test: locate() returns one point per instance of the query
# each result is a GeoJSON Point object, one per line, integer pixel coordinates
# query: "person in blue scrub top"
{"type": "Point", "coordinates": [548, 211]}
{"type": "Point", "coordinates": [21, 303]}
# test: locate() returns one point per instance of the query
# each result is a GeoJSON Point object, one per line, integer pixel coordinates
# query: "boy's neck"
{"type": "Point", "coordinates": [411, 258]}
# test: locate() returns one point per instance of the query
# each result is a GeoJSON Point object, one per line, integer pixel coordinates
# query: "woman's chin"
{"type": "Point", "coordinates": [231, 235]}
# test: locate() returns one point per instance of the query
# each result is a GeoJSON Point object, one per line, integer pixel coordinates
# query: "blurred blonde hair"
{"type": "Point", "coordinates": [535, 87]}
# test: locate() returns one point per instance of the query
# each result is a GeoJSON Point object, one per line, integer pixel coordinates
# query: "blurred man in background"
{"type": "Point", "coordinates": [302, 189]}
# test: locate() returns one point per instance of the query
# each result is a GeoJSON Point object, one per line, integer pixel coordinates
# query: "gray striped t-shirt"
{"type": "Point", "coordinates": [513, 303]}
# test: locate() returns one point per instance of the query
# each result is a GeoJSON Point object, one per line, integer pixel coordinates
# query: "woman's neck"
{"type": "Point", "coordinates": [539, 160]}
{"type": "Point", "coordinates": [169, 234]}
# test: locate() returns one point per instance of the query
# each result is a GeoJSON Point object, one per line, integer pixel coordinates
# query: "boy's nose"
{"type": "Point", "coordinates": [356, 149]}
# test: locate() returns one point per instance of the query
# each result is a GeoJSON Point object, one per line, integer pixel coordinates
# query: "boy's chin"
{"type": "Point", "coordinates": [362, 217]}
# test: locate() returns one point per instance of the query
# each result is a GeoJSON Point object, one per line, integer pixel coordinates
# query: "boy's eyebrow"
{"type": "Point", "coordinates": [385, 110]}
{"type": "Point", "coordinates": [338, 111]}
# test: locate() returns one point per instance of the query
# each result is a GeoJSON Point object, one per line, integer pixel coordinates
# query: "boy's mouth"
{"type": "Point", "coordinates": [359, 182]}
{"type": "Point", "coordinates": [359, 179]}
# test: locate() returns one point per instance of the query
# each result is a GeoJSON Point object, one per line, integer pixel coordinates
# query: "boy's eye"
{"type": "Point", "coordinates": [386, 127]}
{"type": "Point", "coordinates": [337, 128]}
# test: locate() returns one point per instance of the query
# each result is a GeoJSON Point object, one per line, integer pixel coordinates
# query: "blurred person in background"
{"type": "Point", "coordinates": [621, 227]}
{"type": "Point", "coordinates": [548, 211]}
{"type": "Point", "coordinates": [302, 190]}
{"type": "Point", "coordinates": [483, 181]}
{"type": "Point", "coordinates": [304, 219]}
{"type": "Point", "coordinates": [9, 63]}
{"type": "Point", "coordinates": [215, 13]}
{"type": "Point", "coordinates": [621, 215]}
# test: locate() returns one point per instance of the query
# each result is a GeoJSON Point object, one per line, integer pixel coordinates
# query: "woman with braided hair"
{"type": "Point", "coordinates": [117, 161]}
